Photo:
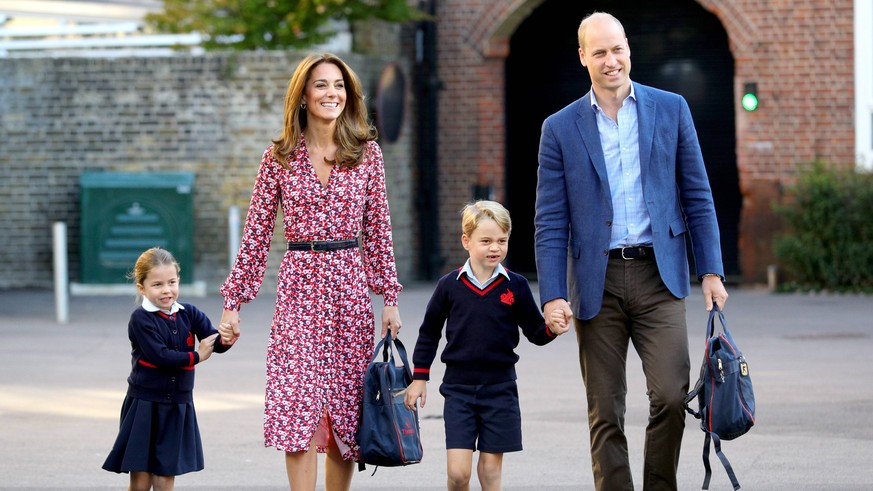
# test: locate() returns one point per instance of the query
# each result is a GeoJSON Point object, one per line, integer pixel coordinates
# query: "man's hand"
{"type": "Point", "coordinates": [557, 323]}
{"type": "Point", "coordinates": [553, 309]}
{"type": "Point", "coordinates": [713, 289]}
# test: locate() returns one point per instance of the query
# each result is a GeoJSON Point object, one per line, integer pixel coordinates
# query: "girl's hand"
{"type": "Point", "coordinates": [229, 327]}
{"type": "Point", "coordinates": [204, 349]}
{"type": "Point", "coordinates": [391, 320]}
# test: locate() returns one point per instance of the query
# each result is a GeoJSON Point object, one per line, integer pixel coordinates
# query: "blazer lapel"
{"type": "Point", "coordinates": [646, 125]}
{"type": "Point", "coordinates": [587, 125]}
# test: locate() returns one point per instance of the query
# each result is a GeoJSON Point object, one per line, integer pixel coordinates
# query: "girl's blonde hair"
{"type": "Point", "coordinates": [473, 213]}
{"type": "Point", "coordinates": [353, 129]}
{"type": "Point", "coordinates": [149, 260]}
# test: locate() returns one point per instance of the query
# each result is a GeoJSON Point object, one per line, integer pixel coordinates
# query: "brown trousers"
{"type": "Point", "coordinates": [637, 308]}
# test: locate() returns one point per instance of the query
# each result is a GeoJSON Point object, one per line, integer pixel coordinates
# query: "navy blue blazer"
{"type": "Point", "coordinates": [574, 205]}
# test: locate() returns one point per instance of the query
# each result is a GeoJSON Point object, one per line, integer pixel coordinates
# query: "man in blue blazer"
{"type": "Point", "coordinates": [621, 183]}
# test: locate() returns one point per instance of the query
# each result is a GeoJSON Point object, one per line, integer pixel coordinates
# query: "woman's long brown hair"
{"type": "Point", "coordinates": [353, 129]}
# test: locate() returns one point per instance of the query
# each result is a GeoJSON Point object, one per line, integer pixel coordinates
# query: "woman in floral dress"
{"type": "Point", "coordinates": [327, 174]}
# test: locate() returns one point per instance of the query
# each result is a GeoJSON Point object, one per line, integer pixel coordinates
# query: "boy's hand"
{"type": "Point", "coordinates": [204, 349]}
{"type": "Point", "coordinates": [417, 389]}
{"type": "Point", "coordinates": [558, 322]}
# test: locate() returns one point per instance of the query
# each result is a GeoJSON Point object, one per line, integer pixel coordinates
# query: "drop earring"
{"type": "Point", "coordinates": [302, 105]}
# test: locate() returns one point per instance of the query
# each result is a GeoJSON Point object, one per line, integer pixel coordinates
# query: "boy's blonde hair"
{"type": "Point", "coordinates": [473, 214]}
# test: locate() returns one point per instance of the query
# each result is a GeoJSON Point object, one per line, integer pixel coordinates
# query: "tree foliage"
{"type": "Point", "coordinates": [271, 24]}
{"type": "Point", "coordinates": [829, 241]}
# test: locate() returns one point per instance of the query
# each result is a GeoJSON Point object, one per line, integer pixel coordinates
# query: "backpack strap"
{"type": "Point", "coordinates": [716, 441]}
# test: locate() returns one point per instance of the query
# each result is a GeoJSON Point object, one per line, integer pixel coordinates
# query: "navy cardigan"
{"type": "Point", "coordinates": [163, 353]}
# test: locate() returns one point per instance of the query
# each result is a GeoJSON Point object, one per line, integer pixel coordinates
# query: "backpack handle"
{"type": "Point", "coordinates": [710, 326]}
{"type": "Point", "coordinates": [385, 345]}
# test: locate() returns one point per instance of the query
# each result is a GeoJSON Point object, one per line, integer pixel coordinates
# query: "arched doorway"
{"type": "Point", "coordinates": [676, 46]}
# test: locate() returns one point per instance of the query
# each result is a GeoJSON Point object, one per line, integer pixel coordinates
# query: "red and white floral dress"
{"type": "Point", "coordinates": [321, 339]}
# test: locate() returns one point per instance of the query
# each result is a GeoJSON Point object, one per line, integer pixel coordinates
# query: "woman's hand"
{"type": "Point", "coordinates": [229, 327]}
{"type": "Point", "coordinates": [391, 320]}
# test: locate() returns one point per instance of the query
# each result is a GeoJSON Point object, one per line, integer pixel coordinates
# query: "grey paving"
{"type": "Point", "coordinates": [811, 358]}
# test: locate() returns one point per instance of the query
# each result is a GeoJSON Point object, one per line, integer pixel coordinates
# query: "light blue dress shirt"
{"type": "Point", "coordinates": [620, 140]}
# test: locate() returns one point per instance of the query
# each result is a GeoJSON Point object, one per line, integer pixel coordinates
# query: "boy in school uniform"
{"type": "Point", "coordinates": [482, 306]}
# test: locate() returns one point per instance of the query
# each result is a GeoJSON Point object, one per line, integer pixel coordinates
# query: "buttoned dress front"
{"type": "Point", "coordinates": [321, 338]}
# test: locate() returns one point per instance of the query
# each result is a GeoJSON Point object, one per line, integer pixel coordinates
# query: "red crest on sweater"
{"type": "Point", "coordinates": [508, 298]}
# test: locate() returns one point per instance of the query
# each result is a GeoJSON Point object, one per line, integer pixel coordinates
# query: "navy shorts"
{"type": "Point", "coordinates": [482, 417]}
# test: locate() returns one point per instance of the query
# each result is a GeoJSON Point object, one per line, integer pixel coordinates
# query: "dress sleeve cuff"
{"type": "Point", "coordinates": [231, 304]}
{"type": "Point", "coordinates": [390, 299]}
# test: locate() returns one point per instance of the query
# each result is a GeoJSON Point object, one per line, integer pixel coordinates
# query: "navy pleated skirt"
{"type": "Point", "coordinates": [159, 438]}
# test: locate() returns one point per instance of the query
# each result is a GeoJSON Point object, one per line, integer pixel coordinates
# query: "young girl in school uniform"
{"type": "Point", "coordinates": [158, 437]}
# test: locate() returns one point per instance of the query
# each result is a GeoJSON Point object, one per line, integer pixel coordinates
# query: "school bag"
{"type": "Point", "coordinates": [725, 400]}
{"type": "Point", "coordinates": [388, 434]}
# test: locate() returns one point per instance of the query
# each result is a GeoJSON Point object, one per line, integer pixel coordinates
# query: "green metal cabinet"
{"type": "Point", "coordinates": [123, 214]}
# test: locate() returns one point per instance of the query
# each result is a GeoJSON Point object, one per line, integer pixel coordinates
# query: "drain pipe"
{"type": "Point", "coordinates": [427, 86]}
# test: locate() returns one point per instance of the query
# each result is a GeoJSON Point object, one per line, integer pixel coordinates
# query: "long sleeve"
{"type": "Point", "coordinates": [378, 247]}
{"type": "Point", "coordinates": [551, 218]}
{"type": "Point", "coordinates": [248, 271]}
{"type": "Point", "coordinates": [696, 197]}
{"type": "Point", "coordinates": [202, 327]}
{"type": "Point", "coordinates": [429, 333]}
{"type": "Point", "coordinates": [149, 336]}
{"type": "Point", "coordinates": [529, 318]}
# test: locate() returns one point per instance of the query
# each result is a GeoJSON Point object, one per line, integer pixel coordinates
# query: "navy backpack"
{"type": "Point", "coordinates": [725, 400]}
{"type": "Point", "coordinates": [388, 434]}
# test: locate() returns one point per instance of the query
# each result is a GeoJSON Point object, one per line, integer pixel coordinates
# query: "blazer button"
{"type": "Point", "coordinates": [605, 252]}
{"type": "Point", "coordinates": [609, 223]}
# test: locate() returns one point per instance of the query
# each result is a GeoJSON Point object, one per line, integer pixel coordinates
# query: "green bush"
{"type": "Point", "coordinates": [828, 244]}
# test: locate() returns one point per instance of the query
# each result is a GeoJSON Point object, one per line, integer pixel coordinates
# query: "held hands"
{"type": "Point", "coordinates": [713, 289]}
{"type": "Point", "coordinates": [229, 327]}
{"type": "Point", "coordinates": [558, 315]}
{"type": "Point", "coordinates": [391, 320]}
{"type": "Point", "coordinates": [416, 390]}
{"type": "Point", "coordinates": [557, 322]}
{"type": "Point", "coordinates": [204, 349]}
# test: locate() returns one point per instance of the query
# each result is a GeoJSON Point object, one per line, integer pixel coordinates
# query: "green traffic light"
{"type": "Point", "coordinates": [750, 102]}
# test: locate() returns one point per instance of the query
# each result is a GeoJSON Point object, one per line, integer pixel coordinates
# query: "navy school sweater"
{"type": "Point", "coordinates": [482, 328]}
{"type": "Point", "coordinates": [164, 352]}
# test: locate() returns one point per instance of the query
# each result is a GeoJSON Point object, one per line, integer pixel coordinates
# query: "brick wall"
{"type": "Point", "coordinates": [212, 115]}
{"type": "Point", "coordinates": [799, 52]}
